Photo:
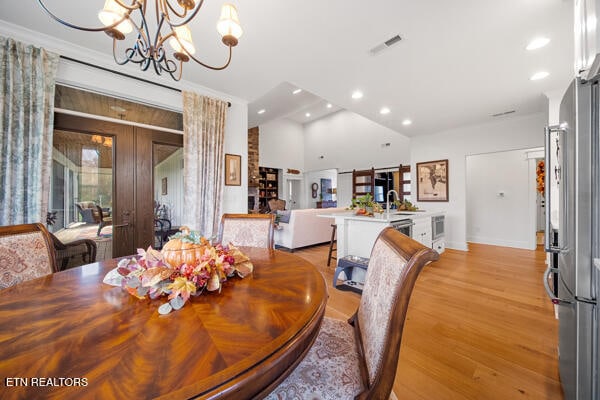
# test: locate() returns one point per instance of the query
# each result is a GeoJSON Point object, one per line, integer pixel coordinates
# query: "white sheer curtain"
{"type": "Point", "coordinates": [204, 133]}
{"type": "Point", "coordinates": [27, 81]}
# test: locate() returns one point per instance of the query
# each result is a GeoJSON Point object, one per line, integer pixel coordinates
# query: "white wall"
{"type": "Point", "coordinates": [281, 145]}
{"type": "Point", "coordinates": [235, 198]}
{"type": "Point", "coordinates": [344, 190]}
{"type": "Point", "coordinates": [315, 177]}
{"type": "Point", "coordinates": [498, 198]}
{"type": "Point", "coordinates": [89, 78]}
{"type": "Point", "coordinates": [455, 145]}
{"type": "Point", "coordinates": [349, 141]}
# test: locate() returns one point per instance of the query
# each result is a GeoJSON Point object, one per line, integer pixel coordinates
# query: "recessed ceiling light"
{"type": "Point", "coordinates": [537, 43]}
{"type": "Point", "coordinates": [406, 122]}
{"type": "Point", "coordinates": [384, 110]}
{"type": "Point", "coordinates": [539, 75]}
{"type": "Point", "coordinates": [357, 94]}
{"type": "Point", "coordinates": [329, 105]}
{"type": "Point", "coordinates": [261, 111]}
{"type": "Point", "coordinates": [296, 91]}
{"type": "Point", "coordinates": [307, 115]}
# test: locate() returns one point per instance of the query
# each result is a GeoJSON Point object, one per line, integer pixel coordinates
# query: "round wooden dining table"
{"type": "Point", "coordinates": [70, 336]}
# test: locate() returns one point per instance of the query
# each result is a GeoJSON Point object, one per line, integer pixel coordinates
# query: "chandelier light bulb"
{"type": "Point", "coordinates": [113, 12]}
{"type": "Point", "coordinates": [185, 37]}
{"type": "Point", "coordinates": [229, 25]}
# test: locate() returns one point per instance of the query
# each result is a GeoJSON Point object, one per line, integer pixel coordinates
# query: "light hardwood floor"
{"type": "Point", "coordinates": [479, 326]}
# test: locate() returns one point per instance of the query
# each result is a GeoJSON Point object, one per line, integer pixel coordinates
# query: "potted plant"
{"type": "Point", "coordinates": [365, 205]}
{"type": "Point", "coordinates": [405, 205]}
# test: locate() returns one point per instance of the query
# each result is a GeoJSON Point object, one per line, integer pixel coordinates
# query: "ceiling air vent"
{"type": "Point", "coordinates": [500, 114]}
{"type": "Point", "coordinates": [388, 43]}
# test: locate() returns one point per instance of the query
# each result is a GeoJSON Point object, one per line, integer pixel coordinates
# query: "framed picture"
{"type": "Point", "coordinates": [432, 181]}
{"type": "Point", "coordinates": [164, 186]}
{"type": "Point", "coordinates": [233, 170]}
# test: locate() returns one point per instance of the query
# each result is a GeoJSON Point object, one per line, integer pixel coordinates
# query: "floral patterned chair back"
{"type": "Point", "coordinates": [26, 252]}
{"type": "Point", "coordinates": [253, 230]}
{"type": "Point", "coordinates": [358, 359]}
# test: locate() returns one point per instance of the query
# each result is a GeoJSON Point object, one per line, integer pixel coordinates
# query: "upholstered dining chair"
{"type": "Point", "coordinates": [254, 230]}
{"type": "Point", "coordinates": [358, 359]}
{"type": "Point", "coordinates": [26, 252]}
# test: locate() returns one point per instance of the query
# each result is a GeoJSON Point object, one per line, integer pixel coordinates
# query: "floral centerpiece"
{"type": "Point", "coordinates": [187, 265]}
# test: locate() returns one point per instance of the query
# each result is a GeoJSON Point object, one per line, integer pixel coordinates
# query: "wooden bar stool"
{"type": "Point", "coordinates": [331, 242]}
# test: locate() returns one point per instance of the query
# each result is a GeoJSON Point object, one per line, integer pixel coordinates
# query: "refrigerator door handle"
{"type": "Point", "coordinates": [553, 298]}
{"type": "Point", "coordinates": [548, 246]}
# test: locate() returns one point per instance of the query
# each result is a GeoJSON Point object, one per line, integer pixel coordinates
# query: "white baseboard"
{"type": "Point", "coordinates": [499, 242]}
{"type": "Point", "coordinates": [457, 246]}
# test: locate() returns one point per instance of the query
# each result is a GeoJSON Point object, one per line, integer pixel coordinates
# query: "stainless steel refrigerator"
{"type": "Point", "coordinates": [573, 158]}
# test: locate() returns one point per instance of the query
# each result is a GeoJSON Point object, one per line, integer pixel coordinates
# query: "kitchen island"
{"type": "Point", "coordinates": [356, 234]}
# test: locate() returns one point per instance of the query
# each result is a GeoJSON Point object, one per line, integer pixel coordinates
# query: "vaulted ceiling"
{"type": "Point", "coordinates": [458, 61]}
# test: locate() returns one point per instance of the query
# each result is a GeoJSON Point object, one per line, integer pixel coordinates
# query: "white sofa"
{"type": "Point", "coordinates": [305, 228]}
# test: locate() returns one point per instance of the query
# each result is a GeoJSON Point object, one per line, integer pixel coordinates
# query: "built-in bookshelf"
{"type": "Point", "coordinates": [268, 185]}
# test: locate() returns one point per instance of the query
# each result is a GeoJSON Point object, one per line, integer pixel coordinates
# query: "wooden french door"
{"type": "Point", "coordinates": [133, 187]}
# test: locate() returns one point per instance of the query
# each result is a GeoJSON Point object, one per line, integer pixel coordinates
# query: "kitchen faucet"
{"type": "Point", "coordinates": [387, 204]}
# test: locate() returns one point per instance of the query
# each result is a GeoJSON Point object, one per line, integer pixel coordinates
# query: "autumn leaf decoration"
{"type": "Point", "coordinates": [150, 275]}
{"type": "Point", "coordinates": [541, 176]}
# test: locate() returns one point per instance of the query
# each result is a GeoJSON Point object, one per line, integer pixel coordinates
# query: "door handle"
{"type": "Point", "coordinates": [548, 246]}
{"type": "Point", "coordinates": [125, 214]}
{"type": "Point", "coordinates": [553, 298]}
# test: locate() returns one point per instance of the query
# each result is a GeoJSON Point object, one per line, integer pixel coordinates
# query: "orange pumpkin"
{"type": "Point", "coordinates": [177, 251]}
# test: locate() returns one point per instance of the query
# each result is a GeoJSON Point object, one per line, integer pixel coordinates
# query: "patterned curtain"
{"type": "Point", "coordinates": [204, 132]}
{"type": "Point", "coordinates": [27, 76]}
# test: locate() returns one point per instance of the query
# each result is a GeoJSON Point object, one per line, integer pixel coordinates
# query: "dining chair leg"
{"type": "Point", "coordinates": [331, 243]}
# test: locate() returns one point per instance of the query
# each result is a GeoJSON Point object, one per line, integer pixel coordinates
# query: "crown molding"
{"type": "Point", "coordinates": [77, 52]}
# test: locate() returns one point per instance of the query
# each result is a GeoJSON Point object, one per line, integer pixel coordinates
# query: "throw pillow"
{"type": "Point", "coordinates": [284, 216]}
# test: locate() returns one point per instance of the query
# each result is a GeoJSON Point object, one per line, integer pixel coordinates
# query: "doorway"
{"type": "Point", "coordinates": [132, 208]}
{"type": "Point", "coordinates": [167, 160]}
{"type": "Point", "coordinates": [293, 193]}
{"type": "Point", "coordinates": [540, 201]}
{"type": "Point", "coordinates": [501, 198]}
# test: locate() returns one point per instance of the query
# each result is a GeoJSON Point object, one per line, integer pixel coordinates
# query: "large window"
{"type": "Point", "coordinates": [82, 178]}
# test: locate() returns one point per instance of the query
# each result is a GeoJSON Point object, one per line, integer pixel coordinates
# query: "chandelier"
{"type": "Point", "coordinates": [148, 49]}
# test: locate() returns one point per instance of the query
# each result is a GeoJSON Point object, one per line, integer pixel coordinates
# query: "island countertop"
{"type": "Point", "coordinates": [394, 215]}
